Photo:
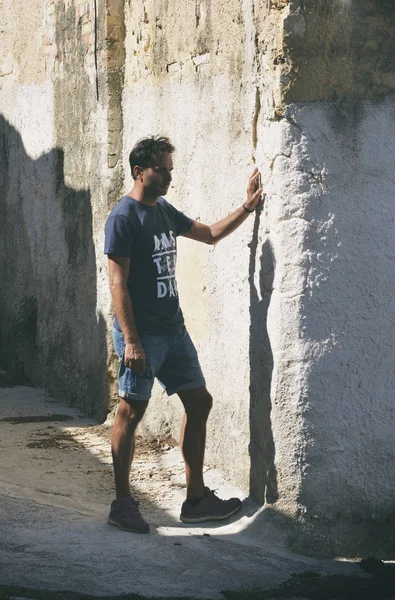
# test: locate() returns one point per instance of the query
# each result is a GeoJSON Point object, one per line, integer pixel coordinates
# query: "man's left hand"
{"type": "Point", "coordinates": [254, 190]}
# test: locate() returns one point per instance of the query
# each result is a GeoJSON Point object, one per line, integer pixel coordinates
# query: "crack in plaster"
{"type": "Point", "coordinates": [292, 296]}
{"type": "Point", "coordinates": [198, 61]}
{"type": "Point", "coordinates": [173, 67]}
{"type": "Point", "coordinates": [255, 120]}
{"type": "Point", "coordinates": [201, 59]}
{"type": "Point", "coordinates": [280, 116]}
{"type": "Point", "coordinates": [292, 217]}
{"type": "Point", "coordinates": [277, 4]}
{"type": "Point", "coordinates": [271, 166]}
{"type": "Point", "coordinates": [292, 122]}
{"type": "Point", "coordinates": [318, 178]}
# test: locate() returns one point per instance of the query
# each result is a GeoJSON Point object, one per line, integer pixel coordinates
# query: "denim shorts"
{"type": "Point", "coordinates": [172, 359]}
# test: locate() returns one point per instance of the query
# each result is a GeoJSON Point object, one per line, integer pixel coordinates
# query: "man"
{"type": "Point", "coordinates": [149, 334]}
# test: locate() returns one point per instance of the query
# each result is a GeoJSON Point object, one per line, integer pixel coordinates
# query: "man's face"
{"type": "Point", "coordinates": [156, 179]}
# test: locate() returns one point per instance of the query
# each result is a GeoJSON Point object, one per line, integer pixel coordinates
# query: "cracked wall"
{"type": "Point", "coordinates": [292, 313]}
{"type": "Point", "coordinates": [59, 168]}
{"type": "Point", "coordinates": [209, 86]}
{"type": "Point", "coordinates": [333, 204]}
{"type": "Point", "coordinates": [338, 48]}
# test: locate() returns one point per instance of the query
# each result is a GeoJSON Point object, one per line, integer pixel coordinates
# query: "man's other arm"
{"type": "Point", "coordinates": [211, 234]}
{"type": "Point", "coordinates": [118, 267]}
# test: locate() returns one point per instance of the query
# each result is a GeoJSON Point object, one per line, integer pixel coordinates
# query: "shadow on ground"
{"type": "Point", "coordinates": [306, 586]}
{"type": "Point", "coordinates": [57, 485]}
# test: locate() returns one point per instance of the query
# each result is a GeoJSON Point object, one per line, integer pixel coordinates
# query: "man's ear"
{"type": "Point", "coordinates": [137, 172]}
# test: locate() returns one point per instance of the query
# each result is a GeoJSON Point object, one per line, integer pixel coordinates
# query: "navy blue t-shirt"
{"type": "Point", "coordinates": [147, 235]}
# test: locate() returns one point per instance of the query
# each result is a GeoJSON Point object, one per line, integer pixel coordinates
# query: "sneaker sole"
{"type": "Point", "coordinates": [208, 518]}
{"type": "Point", "coordinates": [111, 522]}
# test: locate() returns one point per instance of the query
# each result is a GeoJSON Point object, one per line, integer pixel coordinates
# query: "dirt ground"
{"type": "Point", "coordinates": [56, 488]}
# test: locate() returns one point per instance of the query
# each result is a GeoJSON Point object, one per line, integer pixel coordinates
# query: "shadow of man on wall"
{"type": "Point", "coordinates": [49, 332]}
{"type": "Point", "coordinates": [263, 476]}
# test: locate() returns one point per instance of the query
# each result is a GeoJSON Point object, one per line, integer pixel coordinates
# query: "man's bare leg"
{"type": "Point", "coordinates": [128, 417]}
{"type": "Point", "coordinates": [197, 404]}
{"type": "Point", "coordinates": [201, 504]}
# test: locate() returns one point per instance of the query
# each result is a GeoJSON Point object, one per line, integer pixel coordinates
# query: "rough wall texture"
{"type": "Point", "coordinates": [285, 313]}
{"type": "Point", "coordinates": [331, 224]}
{"type": "Point", "coordinates": [334, 199]}
{"type": "Point", "coordinates": [337, 48]}
{"type": "Point", "coordinates": [292, 313]}
{"type": "Point", "coordinates": [55, 183]}
{"type": "Point", "coordinates": [209, 86]}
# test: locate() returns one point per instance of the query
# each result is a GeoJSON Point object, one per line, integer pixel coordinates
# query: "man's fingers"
{"type": "Point", "coordinates": [136, 364]}
{"type": "Point", "coordinates": [253, 180]}
{"type": "Point", "coordinates": [254, 176]}
{"type": "Point", "coordinates": [256, 198]}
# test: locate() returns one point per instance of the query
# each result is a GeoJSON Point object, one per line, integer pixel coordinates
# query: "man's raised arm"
{"type": "Point", "coordinates": [211, 234]}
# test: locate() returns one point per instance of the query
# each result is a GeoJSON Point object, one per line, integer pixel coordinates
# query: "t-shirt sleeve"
{"type": "Point", "coordinates": [118, 236]}
{"type": "Point", "coordinates": [182, 222]}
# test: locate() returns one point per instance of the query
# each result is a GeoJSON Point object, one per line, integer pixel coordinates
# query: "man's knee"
{"type": "Point", "coordinates": [132, 412]}
{"type": "Point", "coordinates": [197, 402]}
{"type": "Point", "coordinates": [207, 402]}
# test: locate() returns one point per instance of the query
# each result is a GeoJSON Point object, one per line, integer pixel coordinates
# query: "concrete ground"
{"type": "Point", "coordinates": [56, 488]}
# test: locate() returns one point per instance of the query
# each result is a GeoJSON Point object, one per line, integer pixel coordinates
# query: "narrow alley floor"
{"type": "Point", "coordinates": [56, 488]}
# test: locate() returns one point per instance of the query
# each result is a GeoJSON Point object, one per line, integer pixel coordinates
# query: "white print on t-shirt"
{"type": "Point", "coordinates": [164, 257]}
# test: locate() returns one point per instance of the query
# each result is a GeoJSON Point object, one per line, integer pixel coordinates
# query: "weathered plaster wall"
{"type": "Point", "coordinates": [332, 233]}
{"type": "Point", "coordinates": [57, 170]}
{"type": "Point", "coordinates": [209, 86]}
{"type": "Point", "coordinates": [332, 203]}
{"type": "Point", "coordinates": [292, 314]}
{"type": "Point", "coordinates": [336, 48]}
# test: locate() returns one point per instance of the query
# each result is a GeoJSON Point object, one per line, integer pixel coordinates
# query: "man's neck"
{"type": "Point", "coordinates": [137, 192]}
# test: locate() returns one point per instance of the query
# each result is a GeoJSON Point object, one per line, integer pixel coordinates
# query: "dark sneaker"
{"type": "Point", "coordinates": [125, 514]}
{"type": "Point", "coordinates": [210, 508]}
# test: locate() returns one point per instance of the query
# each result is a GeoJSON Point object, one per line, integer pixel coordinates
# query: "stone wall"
{"type": "Point", "coordinates": [288, 313]}
{"type": "Point", "coordinates": [58, 171]}
{"type": "Point", "coordinates": [292, 313]}
{"type": "Point", "coordinates": [211, 87]}
{"type": "Point", "coordinates": [338, 48]}
{"type": "Point", "coordinates": [335, 197]}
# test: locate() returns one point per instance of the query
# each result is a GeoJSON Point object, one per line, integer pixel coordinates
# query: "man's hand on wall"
{"type": "Point", "coordinates": [254, 190]}
{"type": "Point", "coordinates": [211, 234]}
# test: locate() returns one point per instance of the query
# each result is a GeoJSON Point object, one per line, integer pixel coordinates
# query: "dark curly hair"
{"type": "Point", "coordinates": [148, 150]}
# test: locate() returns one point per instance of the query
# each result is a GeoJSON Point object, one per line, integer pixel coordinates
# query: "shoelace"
{"type": "Point", "coordinates": [131, 502]}
{"type": "Point", "coordinates": [133, 507]}
{"type": "Point", "coordinates": [212, 494]}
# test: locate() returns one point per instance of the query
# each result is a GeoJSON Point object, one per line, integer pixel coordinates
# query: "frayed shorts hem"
{"type": "Point", "coordinates": [187, 386]}
{"type": "Point", "coordinates": [130, 396]}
